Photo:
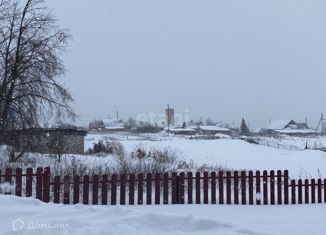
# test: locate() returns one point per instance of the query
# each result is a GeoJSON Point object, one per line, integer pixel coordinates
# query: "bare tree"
{"type": "Point", "coordinates": [31, 46]}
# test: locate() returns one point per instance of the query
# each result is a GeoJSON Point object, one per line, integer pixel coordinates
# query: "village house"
{"type": "Point", "coordinates": [213, 130]}
{"type": "Point", "coordinates": [289, 127]}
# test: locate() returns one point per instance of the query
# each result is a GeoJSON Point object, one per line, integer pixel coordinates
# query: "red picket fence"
{"type": "Point", "coordinates": [246, 188]}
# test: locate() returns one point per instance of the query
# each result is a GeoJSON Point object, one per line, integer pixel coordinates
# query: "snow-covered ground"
{"type": "Point", "coordinates": [31, 217]}
{"type": "Point", "coordinates": [235, 154]}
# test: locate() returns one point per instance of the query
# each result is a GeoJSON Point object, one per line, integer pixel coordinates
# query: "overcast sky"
{"type": "Point", "coordinates": [220, 59]}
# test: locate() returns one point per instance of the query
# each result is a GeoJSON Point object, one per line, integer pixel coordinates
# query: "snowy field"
{"type": "Point", "coordinates": [236, 154]}
{"type": "Point", "coordinates": [36, 218]}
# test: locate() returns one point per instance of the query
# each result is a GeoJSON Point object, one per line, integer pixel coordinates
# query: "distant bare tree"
{"type": "Point", "coordinates": [31, 46]}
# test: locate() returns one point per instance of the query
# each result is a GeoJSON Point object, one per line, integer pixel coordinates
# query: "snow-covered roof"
{"type": "Point", "coordinates": [278, 124]}
{"type": "Point", "coordinates": [213, 128]}
{"type": "Point", "coordinates": [118, 127]}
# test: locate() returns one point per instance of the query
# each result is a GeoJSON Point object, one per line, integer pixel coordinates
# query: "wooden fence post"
{"type": "Point", "coordinates": [313, 191]}
{"type": "Point", "coordinates": [228, 187]}
{"type": "Point", "coordinates": [39, 183]}
{"type": "Point", "coordinates": [149, 189]}
{"type": "Point", "coordinates": [166, 188]}
{"type": "Point", "coordinates": [174, 188]}
{"type": "Point", "coordinates": [140, 189]}
{"type": "Point", "coordinates": [56, 189]}
{"type": "Point", "coordinates": [300, 191]}
{"type": "Point", "coordinates": [279, 187]}
{"type": "Point", "coordinates": [272, 187]}
{"type": "Point", "coordinates": [105, 184]}
{"type": "Point", "coordinates": [243, 188]}
{"type": "Point", "coordinates": [46, 185]}
{"type": "Point", "coordinates": [306, 191]}
{"type": "Point", "coordinates": [325, 190]}
{"type": "Point", "coordinates": [190, 188]}
{"type": "Point", "coordinates": [66, 190]}
{"type": "Point", "coordinates": [76, 184]}
{"type": "Point", "coordinates": [236, 187]}
{"type": "Point", "coordinates": [251, 188]}
{"type": "Point", "coordinates": [86, 190]}
{"type": "Point", "coordinates": [123, 189]}
{"type": "Point", "coordinates": [114, 189]}
{"type": "Point", "coordinates": [213, 187]}
{"type": "Point", "coordinates": [258, 193]}
{"type": "Point", "coordinates": [182, 188]}
{"type": "Point", "coordinates": [265, 190]}
{"type": "Point", "coordinates": [205, 187]}
{"type": "Point", "coordinates": [157, 188]}
{"type": "Point", "coordinates": [319, 190]}
{"type": "Point", "coordinates": [293, 189]}
{"type": "Point", "coordinates": [29, 182]}
{"type": "Point", "coordinates": [131, 189]}
{"type": "Point", "coordinates": [286, 187]}
{"type": "Point", "coordinates": [19, 179]}
{"type": "Point", "coordinates": [220, 187]}
{"type": "Point", "coordinates": [95, 190]}
{"type": "Point", "coordinates": [197, 188]}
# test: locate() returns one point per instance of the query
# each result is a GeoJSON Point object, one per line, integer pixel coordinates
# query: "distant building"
{"type": "Point", "coordinates": [213, 130]}
{"type": "Point", "coordinates": [289, 127]}
{"type": "Point", "coordinates": [183, 131]}
{"type": "Point", "coordinates": [169, 116]}
{"type": "Point", "coordinates": [113, 125]}
{"type": "Point", "coordinates": [47, 140]}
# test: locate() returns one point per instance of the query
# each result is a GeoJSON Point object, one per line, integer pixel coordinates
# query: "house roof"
{"type": "Point", "coordinates": [278, 124]}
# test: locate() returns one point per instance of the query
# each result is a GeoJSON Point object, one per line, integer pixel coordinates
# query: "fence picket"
{"type": "Point", "coordinates": [293, 191]}
{"type": "Point", "coordinates": [46, 184]}
{"type": "Point", "coordinates": [56, 189]}
{"type": "Point", "coordinates": [86, 190]}
{"type": "Point", "coordinates": [272, 187]}
{"type": "Point", "coordinates": [251, 188]}
{"type": "Point", "coordinates": [19, 179]}
{"type": "Point", "coordinates": [213, 187]}
{"type": "Point", "coordinates": [76, 189]}
{"type": "Point", "coordinates": [29, 182]}
{"type": "Point", "coordinates": [197, 188]}
{"type": "Point", "coordinates": [205, 187]}
{"type": "Point", "coordinates": [279, 187]}
{"type": "Point", "coordinates": [140, 189]}
{"type": "Point", "coordinates": [306, 191]}
{"type": "Point", "coordinates": [105, 183]}
{"type": "Point", "coordinates": [166, 188]}
{"type": "Point", "coordinates": [300, 191]}
{"type": "Point", "coordinates": [236, 187]}
{"type": "Point", "coordinates": [286, 187]}
{"type": "Point", "coordinates": [220, 187]}
{"type": "Point", "coordinates": [39, 179]}
{"type": "Point", "coordinates": [182, 188]}
{"type": "Point", "coordinates": [66, 190]}
{"type": "Point", "coordinates": [95, 190]}
{"type": "Point", "coordinates": [174, 188]}
{"type": "Point", "coordinates": [325, 190]}
{"type": "Point", "coordinates": [319, 188]}
{"type": "Point", "coordinates": [114, 189]}
{"type": "Point", "coordinates": [243, 188]}
{"type": "Point", "coordinates": [190, 188]}
{"type": "Point", "coordinates": [123, 189]}
{"type": "Point", "coordinates": [149, 189]}
{"type": "Point", "coordinates": [258, 193]}
{"type": "Point", "coordinates": [157, 188]}
{"type": "Point", "coordinates": [131, 189]}
{"type": "Point", "coordinates": [265, 189]}
{"type": "Point", "coordinates": [228, 187]}
{"type": "Point", "coordinates": [313, 191]}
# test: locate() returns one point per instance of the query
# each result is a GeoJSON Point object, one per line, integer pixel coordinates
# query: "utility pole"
{"type": "Point", "coordinates": [117, 112]}
{"type": "Point", "coordinates": [322, 124]}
